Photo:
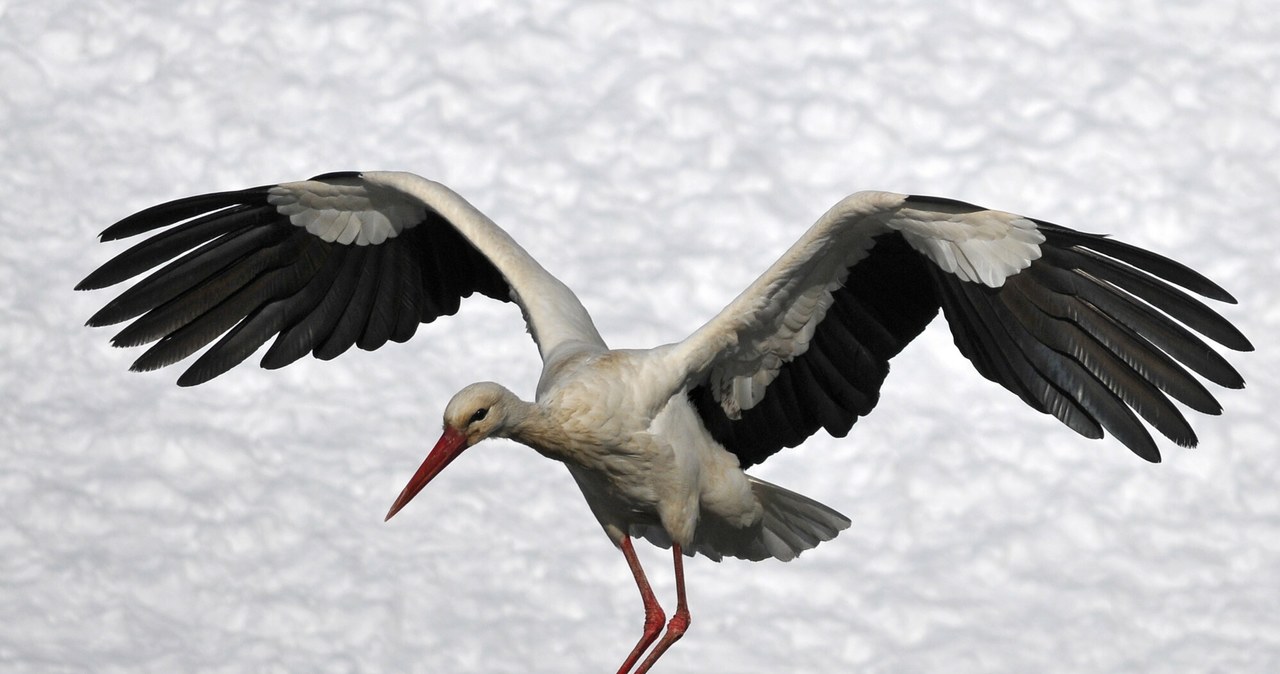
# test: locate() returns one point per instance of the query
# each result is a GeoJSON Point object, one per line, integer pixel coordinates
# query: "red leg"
{"type": "Point", "coordinates": [679, 622]}
{"type": "Point", "coordinates": [653, 615]}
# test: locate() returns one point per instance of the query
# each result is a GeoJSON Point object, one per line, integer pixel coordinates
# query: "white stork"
{"type": "Point", "coordinates": [1079, 326]}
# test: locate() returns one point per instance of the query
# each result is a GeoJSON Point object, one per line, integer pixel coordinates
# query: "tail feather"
{"type": "Point", "coordinates": [791, 523]}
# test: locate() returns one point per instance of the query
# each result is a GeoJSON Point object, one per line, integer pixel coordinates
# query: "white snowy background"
{"type": "Point", "coordinates": [656, 156]}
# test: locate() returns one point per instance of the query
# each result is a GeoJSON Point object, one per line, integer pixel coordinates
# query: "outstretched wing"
{"type": "Point", "coordinates": [320, 265]}
{"type": "Point", "coordinates": [1088, 329]}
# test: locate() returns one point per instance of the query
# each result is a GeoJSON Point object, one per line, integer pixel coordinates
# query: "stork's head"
{"type": "Point", "coordinates": [476, 412]}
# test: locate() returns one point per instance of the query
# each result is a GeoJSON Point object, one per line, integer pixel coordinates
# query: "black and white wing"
{"type": "Point", "coordinates": [341, 259]}
{"type": "Point", "coordinates": [1080, 326]}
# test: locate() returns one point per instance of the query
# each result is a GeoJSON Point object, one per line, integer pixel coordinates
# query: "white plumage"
{"type": "Point", "coordinates": [1085, 328]}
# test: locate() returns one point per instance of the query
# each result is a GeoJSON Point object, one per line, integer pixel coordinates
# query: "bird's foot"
{"type": "Point", "coordinates": [675, 629]}
{"type": "Point", "coordinates": [653, 621]}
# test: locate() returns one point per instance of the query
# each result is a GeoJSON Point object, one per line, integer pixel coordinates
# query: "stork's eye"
{"type": "Point", "coordinates": [478, 415]}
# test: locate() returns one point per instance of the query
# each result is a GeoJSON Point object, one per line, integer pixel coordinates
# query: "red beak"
{"type": "Point", "coordinates": [446, 450]}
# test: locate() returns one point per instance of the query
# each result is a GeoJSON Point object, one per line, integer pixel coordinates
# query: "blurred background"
{"type": "Point", "coordinates": [656, 157]}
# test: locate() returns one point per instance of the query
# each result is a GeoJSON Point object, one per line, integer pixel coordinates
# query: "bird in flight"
{"type": "Point", "coordinates": [1100, 334]}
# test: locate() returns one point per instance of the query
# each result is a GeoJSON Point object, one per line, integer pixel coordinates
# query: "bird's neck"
{"type": "Point", "coordinates": [535, 427]}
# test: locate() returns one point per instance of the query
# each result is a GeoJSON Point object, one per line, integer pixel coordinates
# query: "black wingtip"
{"type": "Point", "coordinates": [1146, 448]}
{"type": "Point", "coordinates": [949, 204]}
{"type": "Point", "coordinates": [96, 280]}
{"type": "Point", "coordinates": [177, 210]}
{"type": "Point", "coordinates": [1163, 267]}
{"type": "Point", "coordinates": [189, 378]}
{"type": "Point", "coordinates": [339, 175]}
{"type": "Point", "coordinates": [103, 317]}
